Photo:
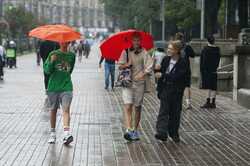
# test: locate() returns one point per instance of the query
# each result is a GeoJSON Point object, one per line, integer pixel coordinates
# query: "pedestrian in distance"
{"type": "Point", "coordinates": [2, 61]}
{"type": "Point", "coordinates": [59, 65]}
{"type": "Point", "coordinates": [86, 49]}
{"type": "Point", "coordinates": [170, 89]}
{"type": "Point", "coordinates": [11, 54]}
{"type": "Point", "coordinates": [38, 56]}
{"type": "Point", "coordinates": [109, 67]}
{"type": "Point", "coordinates": [186, 52]}
{"type": "Point", "coordinates": [209, 62]}
{"type": "Point", "coordinates": [73, 47]}
{"type": "Point", "coordinates": [80, 50]}
{"type": "Point", "coordinates": [140, 63]}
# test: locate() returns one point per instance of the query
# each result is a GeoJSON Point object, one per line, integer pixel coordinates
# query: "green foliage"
{"type": "Point", "coordinates": [182, 12]}
{"type": "Point", "coordinates": [132, 13]}
{"type": "Point", "coordinates": [222, 13]}
{"type": "Point", "coordinates": [20, 21]}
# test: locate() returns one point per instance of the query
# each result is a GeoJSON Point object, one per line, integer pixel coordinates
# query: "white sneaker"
{"type": "Point", "coordinates": [67, 139]}
{"type": "Point", "coordinates": [52, 139]}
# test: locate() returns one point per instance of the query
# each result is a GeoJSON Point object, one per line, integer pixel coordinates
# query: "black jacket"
{"type": "Point", "coordinates": [210, 59]}
{"type": "Point", "coordinates": [46, 47]}
{"type": "Point", "coordinates": [177, 79]}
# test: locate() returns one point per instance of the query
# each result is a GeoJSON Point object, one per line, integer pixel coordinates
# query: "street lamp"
{"type": "Point", "coordinates": [163, 19]}
{"type": "Point", "coordinates": [202, 19]}
{"type": "Point", "coordinates": [1, 8]}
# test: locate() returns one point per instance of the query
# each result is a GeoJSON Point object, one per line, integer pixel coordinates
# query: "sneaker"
{"type": "Point", "coordinates": [67, 139]}
{"type": "Point", "coordinates": [52, 139]}
{"type": "Point", "coordinates": [135, 136]}
{"type": "Point", "coordinates": [129, 135]}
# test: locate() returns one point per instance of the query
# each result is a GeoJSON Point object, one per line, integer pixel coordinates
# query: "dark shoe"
{"type": "Point", "coordinates": [176, 138]}
{"type": "Point", "coordinates": [207, 104]}
{"type": "Point", "coordinates": [161, 137]}
{"type": "Point", "coordinates": [213, 105]}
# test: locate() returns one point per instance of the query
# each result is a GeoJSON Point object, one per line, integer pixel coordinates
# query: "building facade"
{"type": "Point", "coordinates": [78, 13]}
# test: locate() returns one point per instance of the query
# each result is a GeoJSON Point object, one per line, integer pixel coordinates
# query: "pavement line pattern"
{"type": "Point", "coordinates": [219, 137]}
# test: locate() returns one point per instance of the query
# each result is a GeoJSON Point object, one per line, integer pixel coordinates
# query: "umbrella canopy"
{"type": "Point", "coordinates": [112, 47]}
{"type": "Point", "coordinates": [57, 33]}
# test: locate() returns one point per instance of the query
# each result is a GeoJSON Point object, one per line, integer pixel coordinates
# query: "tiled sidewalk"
{"type": "Point", "coordinates": [209, 137]}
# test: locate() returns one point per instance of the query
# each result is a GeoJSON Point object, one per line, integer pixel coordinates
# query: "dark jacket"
{"type": "Point", "coordinates": [46, 47]}
{"type": "Point", "coordinates": [187, 52]}
{"type": "Point", "coordinates": [209, 62]}
{"type": "Point", "coordinates": [210, 59]}
{"type": "Point", "coordinates": [175, 80]}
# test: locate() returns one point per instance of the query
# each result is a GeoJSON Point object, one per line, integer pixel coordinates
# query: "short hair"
{"type": "Point", "coordinates": [136, 35]}
{"type": "Point", "coordinates": [211, 39]}
{"type": "Point", "coordinates": [179, 36]}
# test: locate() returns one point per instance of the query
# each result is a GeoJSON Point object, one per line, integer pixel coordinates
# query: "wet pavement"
{"type": "Point", "coordinates": [208, 137]}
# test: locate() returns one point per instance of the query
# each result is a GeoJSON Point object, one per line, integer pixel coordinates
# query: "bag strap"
{"type": "Point", "coordinates": [127, 55]}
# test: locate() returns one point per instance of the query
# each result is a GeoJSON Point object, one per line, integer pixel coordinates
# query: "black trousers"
{"type": "Point", "coordinates": [1, 66]}
{"type": "Point", "coordinates": [46, 80]}
{"type": "Point", "coordinates": [168, 121]}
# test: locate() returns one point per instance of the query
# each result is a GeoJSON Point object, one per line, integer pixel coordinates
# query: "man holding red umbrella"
{"type": "Point", "coordinates": [140, 64]}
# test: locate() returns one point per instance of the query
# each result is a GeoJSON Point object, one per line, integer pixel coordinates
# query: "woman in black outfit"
{"type": "Point", "coordinates": [174, 76]}
{"type": "Point", "coordinates": [209, 62]}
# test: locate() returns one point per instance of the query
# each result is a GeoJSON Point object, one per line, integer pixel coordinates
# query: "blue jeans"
{"type": "Point", "coordinates": [109, 71]}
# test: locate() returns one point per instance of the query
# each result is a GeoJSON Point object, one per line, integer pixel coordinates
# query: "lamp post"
{"type": "Point", "coordinates": [202, 36]}
{"type": "Point", "coordinates": [1, 8]}
{"type": "Point", "coordinates": [163, 19]}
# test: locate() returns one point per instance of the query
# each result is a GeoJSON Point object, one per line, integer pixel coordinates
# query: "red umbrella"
{"type": "Point", "coordinates": [58, 33]}
{"type": "Point", "coordinates": [112, 47]}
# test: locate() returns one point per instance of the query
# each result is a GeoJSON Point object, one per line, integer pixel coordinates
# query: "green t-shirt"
{"type": "Point", "coordinates": [60, 71]}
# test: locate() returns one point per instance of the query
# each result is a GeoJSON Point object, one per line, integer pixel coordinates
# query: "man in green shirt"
{"type": "Point", "coordinates": [59, 65]}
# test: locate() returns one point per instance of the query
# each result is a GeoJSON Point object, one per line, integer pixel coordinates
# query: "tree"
{"type": "Point", "coordinates": [132, 13]}
{"type": "Point", "coordinates": [183, 13]}
{"type": "Point", "coordinates": [21, 25]}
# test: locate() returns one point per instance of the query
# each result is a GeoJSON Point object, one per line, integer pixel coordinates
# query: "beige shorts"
{"type": "Point", "coordinates": [134, 95]}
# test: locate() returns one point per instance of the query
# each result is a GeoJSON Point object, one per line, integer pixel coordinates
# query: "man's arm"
{"type": "Point", "coordinates": [101, 60]}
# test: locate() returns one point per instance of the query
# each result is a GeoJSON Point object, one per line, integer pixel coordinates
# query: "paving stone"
{"type": "Point", "coordinates": [219, 137]}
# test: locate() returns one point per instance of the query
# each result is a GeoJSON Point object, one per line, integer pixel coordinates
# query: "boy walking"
{"type": "Point", "coordinates": [59, 65]}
